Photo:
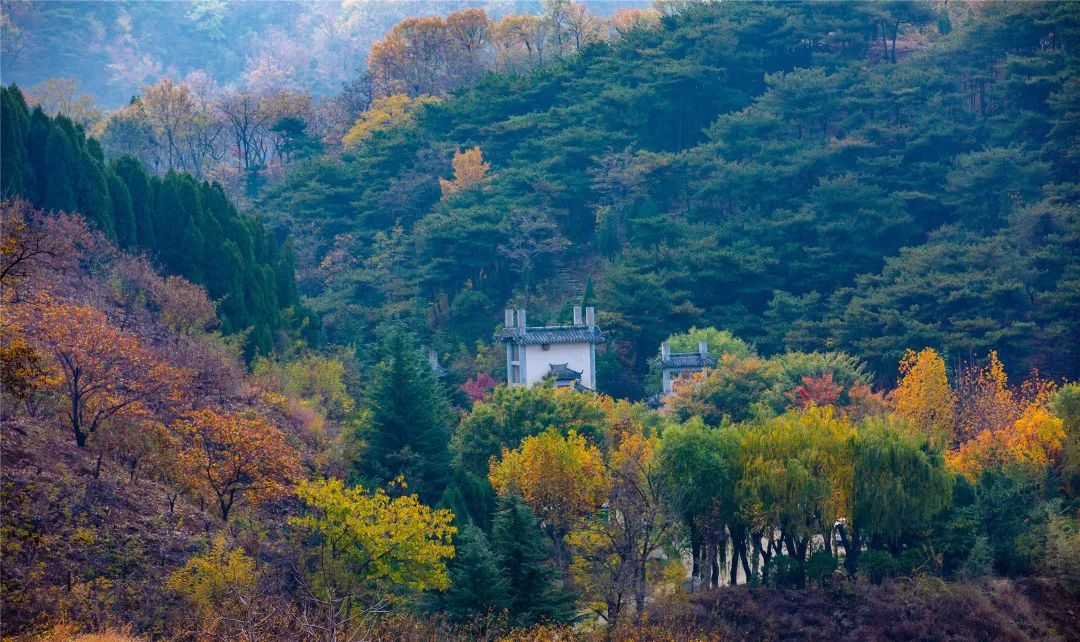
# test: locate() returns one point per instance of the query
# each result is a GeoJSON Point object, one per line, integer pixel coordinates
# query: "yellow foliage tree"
{"type": "Point", "coordinates": [562, 479]}
{"type": "Point", "coordinates": [217, 581]}
{"type": "Point", "coordinates": [613, 554]}
{"type": "Point", "coordinates": [797, 475]}
{"type": "Point", "coordinates": [366, 547]}
{"type": "Point", "coordinates": [923, 395]}
{"type": "Point", "coordinates": [390, 111]}
{"type": "Point", "coordinates": [470, 170]}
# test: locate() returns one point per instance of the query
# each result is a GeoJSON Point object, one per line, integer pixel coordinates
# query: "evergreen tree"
{"type": "Point", "coordinates": [61, 167]}
{"type": "Point", "coordinates": [131, 173]}
{"type": "Point", "coordinates": [410, 422]}
{"type": "Point", "coordinates": [122, 212]}
{"type": "Point", "coordinates": [477, 584]}
{"type": "Point", "coordinates": [16, 174]}
{"type": "Point", "coordinates": [535, 589]}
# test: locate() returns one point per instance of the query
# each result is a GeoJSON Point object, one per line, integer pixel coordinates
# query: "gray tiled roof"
{"type": "Point", "coordinates": [551, 334]}
{"type": "Point", "coordinates": [686, 360]}
{"type": "Point", "coordinates": [563, 372]}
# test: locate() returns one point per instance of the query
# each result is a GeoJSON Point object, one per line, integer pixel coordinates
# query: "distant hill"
{"type": "Point", "coordinates": [113, 48]}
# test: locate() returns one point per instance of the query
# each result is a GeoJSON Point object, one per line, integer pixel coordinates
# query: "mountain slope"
{"type": "Point", "coordinates": [756, 167]}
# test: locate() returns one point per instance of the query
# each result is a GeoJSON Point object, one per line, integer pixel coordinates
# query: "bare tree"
{"type": "Point", "coordinates": [531, 233]}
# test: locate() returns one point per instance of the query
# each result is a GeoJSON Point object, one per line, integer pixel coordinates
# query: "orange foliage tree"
{"type": "Point", "coordinates": [923, 395]}
{"type": "Point", "coordinates": [105, 373]}
{"type": "Point", "coordinates": [1002, 428]}
{"type": "Point", "coordinates": [235, 456]}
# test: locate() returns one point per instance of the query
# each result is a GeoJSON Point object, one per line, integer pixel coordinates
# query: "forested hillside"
{"type": "Point", "coordinates": [192, 229]}
{"type": "Point", "coordinates": [807, 176]}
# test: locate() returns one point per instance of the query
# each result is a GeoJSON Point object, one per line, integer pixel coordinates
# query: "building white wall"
{"type": "Point", "coordinates": [577, 356]}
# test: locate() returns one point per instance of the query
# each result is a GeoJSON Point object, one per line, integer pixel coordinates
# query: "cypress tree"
{"type": "Point", "coordinates": [137, 182]}
{"type": "Point", "coordinates": [16, 175]}
{"type": "Point", "coordinates": [123, 215]}
{"type": "Point", "coordinates": [37, 139]}
{"type": "Point", "coordinates": [93, 199]}
{"type": "Point", "coordinates": [470, 499]}
{"type": "Point", "coordinates": [536, 593]}
{"type": "Point", "coordinates": [60, 166]}
{"type": "Point", "coordinates": [409, 424]}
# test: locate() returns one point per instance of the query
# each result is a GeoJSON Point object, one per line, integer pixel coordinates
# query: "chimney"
{"type": "Point", "coordinates": [703, 348]}
{"type": "Point", "coordinates": [590, 316]}
{"type": "Point", "coordinates": [508, 322]}
{"type": "Point", "coordinates": [665, 350]}
{"type": "Point", "coordinates": [433, 357]}
{"type": "Point", "coordinates": [521, 319]}
{"type": "Point", "coordinates": [577, 315]}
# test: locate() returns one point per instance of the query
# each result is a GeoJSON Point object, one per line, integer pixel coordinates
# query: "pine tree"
{"type": "Point", "coordinates": [410, 421]}
{"type": "Point", "coordinates": [477, 584]}
{"type": "Point", "coordinates": [535, 589]}
{"type": "Point", "coordinates": [470, 499]}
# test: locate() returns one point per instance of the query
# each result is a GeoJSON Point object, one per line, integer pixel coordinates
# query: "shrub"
{"type": "Point", "coordinates": [877, 565]}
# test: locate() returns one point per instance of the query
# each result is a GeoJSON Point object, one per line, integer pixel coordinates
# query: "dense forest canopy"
{"type": "Point", "coordinates": [811, 176]}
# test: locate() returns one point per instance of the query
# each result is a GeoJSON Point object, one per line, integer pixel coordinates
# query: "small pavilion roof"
{"type": "Point", "coordinates": [563, 372]}
{"type": "Point", "coordinates": [686, 360]}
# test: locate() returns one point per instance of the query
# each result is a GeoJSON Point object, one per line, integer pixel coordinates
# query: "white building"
{"type": "Point", "coordinates": [565, 353]}
{"type": "Point", "coordinates": [675, 365]}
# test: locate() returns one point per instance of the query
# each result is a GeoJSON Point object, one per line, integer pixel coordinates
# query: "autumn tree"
{"type": "Point", "coordinates": [730, 390]}
{"type": "Point", "coordinates": [626, 20]}
{"type": "Point", "coordinates": [412, 58]}
{"type": "Point", "coordinates": [530, 234]}
{"type": "Point", "coordinates": [227, 594]}
{"type": "Point", "coordinates": [363, 549]}
{"type": "Point", "coordinates": [612, 555]}
{"type": "Point", "coordinates": [521, 41]}
{"type": "Point", "coordinates": [32, 242]}
{"type": "Point", "coordinates": [107, 373]}
{"type": "Point", "coordinates": [1025, 447]}
{"type": "Point", "coordinates": [389, 111]}
{"type": "Point", "coordinates": [237, 457]}
{"type": "Point", "coordinates": [923, 395]}
{"type": "Point", "coordinates": [470, 171]}
{"type": "Point", "coordinates": [469, 35]}
{"type": "Point", "coordinates": [562, 479]}
{"type": "Point", "coordinates": [983, 398]}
